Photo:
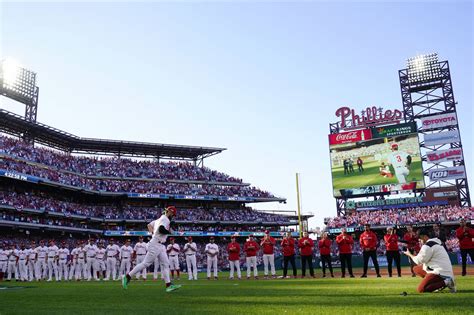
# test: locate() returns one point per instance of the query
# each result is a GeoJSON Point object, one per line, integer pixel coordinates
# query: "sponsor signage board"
{"type": "Point", "coordinates": [439, 121]}
{"type": "Point", "coordinates": [447, 173]}
{"type": "Point", "coordinates": [395, 130]}
{"type": "Point", "coordinates": [349, 137]}
{"type": "Point", "coordinates": [444, 137]}
{"type": "Point", "coordinates": [453, 154]}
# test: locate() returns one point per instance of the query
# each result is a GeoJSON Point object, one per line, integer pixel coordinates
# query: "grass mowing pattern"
{"type": "Point", "coordinates": [289, 296]}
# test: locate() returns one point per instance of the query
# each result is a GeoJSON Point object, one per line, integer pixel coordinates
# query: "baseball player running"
{"type": "Point", "coordinates": [190, 250]}
{"type": "Point", "coordinates": [212, 250]}
{"type": "Point", "coordinates": [173, 250]}
{"type": "Point", "coordinates": [401, 162]}
{"type": "Point", "coordinates": [160, 229]}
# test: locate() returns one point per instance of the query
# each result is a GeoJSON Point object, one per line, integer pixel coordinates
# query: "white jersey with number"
{"type": "Point", "coordinates": [3, 255]}
{"type": "Point", "coordinates": [12, 255]}
{"type": "Point", "coordinates": [112, 250]}
{"type": "Point", "coordinates": [398, 159]}
{"type": "Point", "coordinates": [211, 249]}
{"type": "Point", "coordinates": [31, 254]}
{"type": "Point", "coordinates": [53, 251]}
{"type": "Point", "coordinates": [126, 252]}
{"type": "Point", "coordinates": [91, 250]}
{"type": "Point", "coordinates": [23, 254]}
{"type": "Point", "coordinates": [100, 253]}
{"type": "Point", "coordinates": [42, 251]}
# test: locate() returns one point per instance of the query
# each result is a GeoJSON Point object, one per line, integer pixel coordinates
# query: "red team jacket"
{"type": "Point", "coordinates": [368, 240]}
{"type": "Point", "coordinates": [412, 241]}
{"type": "Point", "coordinates": [234, 251]}
{"type": "Point", "coordinates": [268, 245]}
{"type": "Point", "coordinates": [251, 248]}
{"type": "Point", "coordinates": [288, 245]}
{"type": "Point", "coordinates": [324, 246]}
{"type": "Point", "coordinates": [345, 242]}
{"type": "Point", "coordinates": [306, 249]}
{"type": "Point", "coordinates": [391, 242]}
{"type": "Point", "coordinates": [466, 238]}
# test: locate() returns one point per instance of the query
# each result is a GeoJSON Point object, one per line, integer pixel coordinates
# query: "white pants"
{"type": "Point", "coordinates": [192, 266]}
{"type": "Point", "coordinates": [401, 173]}
{"type": "Point", "coordinates": [140, 259]}
{"type": "Point", "coordinates": [3, 266]}
{"type": "Point", "coordinates": [156, 266]}
{"type": "Point", "coordinates": [72, 271]}
{"type": "Point", "coordinates": [236, 264]}
{"type": "Point", "coordinates": [111, 268]}
{"type": "Point", "coordinates": [125, 265]}
{"type": "Point", "coordinates": [174, 262]}
{"type": "Point", "coordinates": [62, 269]}
{"type": "Point", "coordinates": [155, 250]}
{"type": "Point", "coordinates": [211, 262]}
{"type": "Point", "coordinates": [91, 266]}
{"type": "Point", "coordinates": [31, 270]}
{"type": "Point", "coordinates": [80, 269]}
{"type": "Point", "coordinates": [12, 269]}
{"type": "Point", "coordinates": [252, 263]}
{"type": "Point", "coordinates": [23, 270]}
{"type": "Point", "coordinates": [52, 266]}
{"type": "Point", "coordinates": [100, 263]}
{"type": "Point", "coordinates": [41, 267]}
{"type": "Point", "coordinates": [269, 259]}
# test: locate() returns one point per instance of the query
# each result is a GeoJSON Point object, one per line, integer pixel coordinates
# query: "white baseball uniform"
{"type": "Point", "coordinates": [31, 263]}
{"type": "Point", "coordinates": [100, 260]}
{"type": "Point", "coordinates": [140, 250]}
{"type": "Point", "coordinates": [12, 262]}
{"type": "Point", "coordinates": [80, 263]}
{"type": "Point", "coordinates": [52, 262]}
{"type": "Point", "coordinates": [173, 255]}
{"type": "Point", "coordinates": [63, 254]}
{"type": "Point", "coordinates": [190, 250]}
{"type": "Point", "coordinates": [156, 248]}
{"type": "Point", "coordinates": [91, 266]}
{"type": "Point", "coordinates": [112, 252]}
{"type": "Point", "coordinates": [3, 260]}
{"type": "Point", "coordinates": [22, 266]}
{"type": "Point", "coordinates": [398, 159]}
{"type": "Point", "coordinates": [41, 265]}
{"type": "Point", "coordinates": [211, 250]}
{"type": "Point", "coordinates": [125, 259]}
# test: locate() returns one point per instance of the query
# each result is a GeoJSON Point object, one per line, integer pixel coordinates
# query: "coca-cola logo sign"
{"type": "Point", "coordinates": [445, 155]}
{"type": "Point", "coordinates": [371, 116]}
{"type": "Point", "coordinates": [351, 136]}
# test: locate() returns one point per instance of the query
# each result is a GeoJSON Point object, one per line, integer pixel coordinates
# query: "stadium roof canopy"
{"type": "Point", "coordinates": [17, 125]}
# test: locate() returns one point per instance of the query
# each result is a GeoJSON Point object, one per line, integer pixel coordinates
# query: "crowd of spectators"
{"type": "Point", "coordinates": [129, 212]}
{"type": "Point", "coordinates": [402, 216]}
{"type": "Point", "coordinates": [111, 166]}
{"type": "Point", "coordinates": [130, 185]}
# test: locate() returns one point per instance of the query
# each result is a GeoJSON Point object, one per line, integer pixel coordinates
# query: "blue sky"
{"type": "Point", "coordinates": [261, 79]}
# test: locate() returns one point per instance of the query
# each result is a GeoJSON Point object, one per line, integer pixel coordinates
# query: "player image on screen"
{"type": "Point", "coordinates": [390, 164]}
{"type": "Point", "coordinates": [400, 161]}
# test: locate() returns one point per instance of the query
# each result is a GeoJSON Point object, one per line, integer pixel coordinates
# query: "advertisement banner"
{"type": "Point", "coordinates": [442, 138]}
{"type": "Point", "coordinates": [349, 137]}
{"type": "Point", "coordinates": [438, 121]}
{"type": "Point", "coordinates": [395, 130]}
{"type": "Point", "coordinates": [454, 154]}
{"type": "Point", "coordinates": [198, 233]}
{"type": "Point", "coordinates": [19, 176]}
{"type": "Point", "coordinates": [447, 173]}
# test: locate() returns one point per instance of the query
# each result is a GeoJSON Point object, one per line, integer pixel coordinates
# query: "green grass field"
{"type": "Point", "coordinates": [290, 296]}
{"type": "Point", "coordinates": [371, 175]}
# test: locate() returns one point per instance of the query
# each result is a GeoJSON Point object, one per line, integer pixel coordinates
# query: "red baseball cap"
{"type": "Point", "coordinates": [171, 238]}
{"type": "Point", "coordinates": [267, 232]}
{"type": "Point", "coordinates": [172, 209]}
{"type": "Point", "coordinates": [394, 145]}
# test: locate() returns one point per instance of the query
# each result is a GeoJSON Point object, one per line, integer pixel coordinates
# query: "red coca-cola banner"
{"type": "Point", "coordinates": [351, 136]}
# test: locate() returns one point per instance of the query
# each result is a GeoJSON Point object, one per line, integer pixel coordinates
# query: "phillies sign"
{"type": "Point", "coordinates": [439, 121]}
{"type": "Point", "coordinates": [447, 173]}
{"type": "Point", "coordinates": [454, 154]}
{"type": "Point", "coordinates": [349, 137]}
{"type": "Point", "coordinates": [371, 116]}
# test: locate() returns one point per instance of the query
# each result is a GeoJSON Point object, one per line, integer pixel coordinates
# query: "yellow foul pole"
{"type": "Point", "coordinates": [298, 199]}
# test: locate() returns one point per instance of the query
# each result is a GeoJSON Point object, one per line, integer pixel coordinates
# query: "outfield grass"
{"type": "Point", "coordinates": [289, 296]}
{"type": "Point", "coordinates": [371, 175]}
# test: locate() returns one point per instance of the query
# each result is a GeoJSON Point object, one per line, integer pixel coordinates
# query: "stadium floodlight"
{"type": "Point", "coordinates": [423, 68]}
{"type": "Point", "coordinates": [17, 82]}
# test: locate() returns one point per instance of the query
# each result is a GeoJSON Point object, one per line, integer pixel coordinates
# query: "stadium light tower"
{"type": "Point", "coordinates": [423, 68]}
{"type": "Point", "coordinates": [19, 84]}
